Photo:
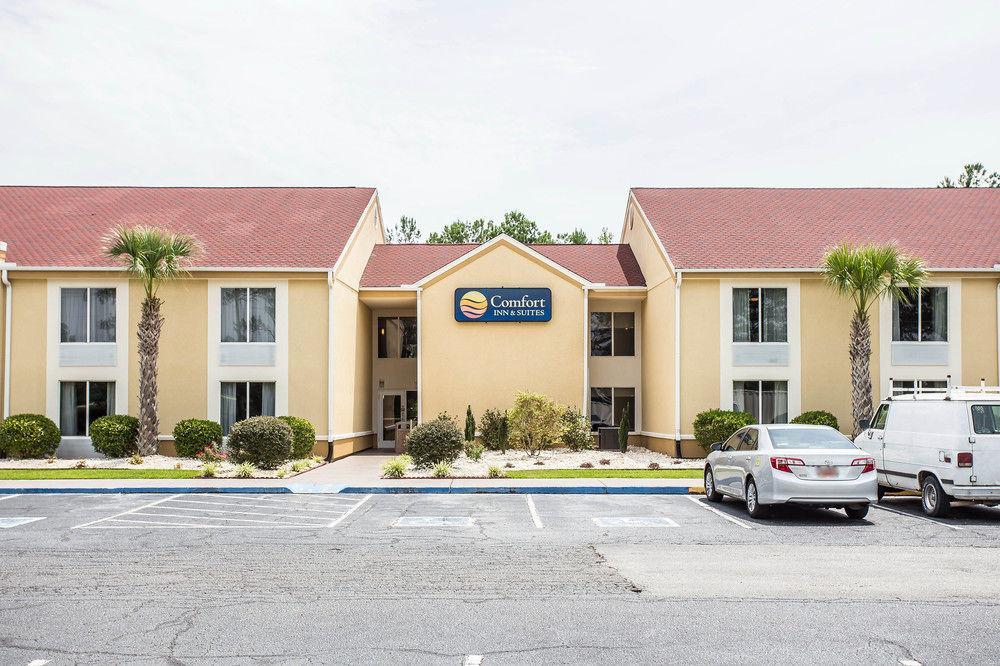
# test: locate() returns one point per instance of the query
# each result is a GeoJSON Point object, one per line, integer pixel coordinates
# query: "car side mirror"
{"type": "Point", "coordinates": [865, 424]}
{"type": "Point", "coordinates": [717, 446]}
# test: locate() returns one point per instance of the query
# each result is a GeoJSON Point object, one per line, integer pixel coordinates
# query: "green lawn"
{"type": "Point", "coordinates": [36, 474]}
{"type": "Point", "coordinates": [597, 473]}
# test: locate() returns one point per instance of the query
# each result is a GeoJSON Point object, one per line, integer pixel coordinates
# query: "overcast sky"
{"type": "Point", "coordinates": [468, 109]}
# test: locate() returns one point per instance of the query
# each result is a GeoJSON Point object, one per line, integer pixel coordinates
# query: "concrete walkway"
{"type": "Point", "coordinates": [359, 473]}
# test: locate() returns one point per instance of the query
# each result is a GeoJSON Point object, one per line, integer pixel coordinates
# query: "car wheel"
{"type": "Point", "coordinates": [932, 498]}
{"type": "Point", "coordinates": [856, 512]}
{"type": "Point", "coordinates": [754, 507]}
{"type": "Point", "coordinates": [712, 493]}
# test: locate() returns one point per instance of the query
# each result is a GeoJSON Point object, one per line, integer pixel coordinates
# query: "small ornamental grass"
{"type": "Point", "coordinates": [28, 436]}
{"type": "Point", "coordinates": [245, 471]}
{"type": "Point", "coordinates": [136, 459]}
{"type": "Point", "coordinates": [301, 466]}
{"type": "Point", "coordinates": [441, 471]}
{"type": "Point", "coordinates": [395, 468]}
{"type": "Point", "coordinates": [209, 470]}
{"type": "Point", "coordinates": [115, 435]}
{"type": "Point", "coordinates": [494, 472]}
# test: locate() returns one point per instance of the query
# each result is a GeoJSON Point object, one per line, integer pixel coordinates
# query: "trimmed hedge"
{"type": "Point", "coordinates": [303, 436]}
{"type": "Point", "coordinates": [191, 436]}
{"type": "Point", "coordinates": [716, 425]}
{"type": "Point", "coordinates": [28, 436]}
{"type": "Point", "coordinates": [265, 441]}
{"type": "Point", "coordinates": [115, 435]}
{"type": "Point", "coordinates": [437, 441]}
{"type": "Point", "coordinates": [817, 417]}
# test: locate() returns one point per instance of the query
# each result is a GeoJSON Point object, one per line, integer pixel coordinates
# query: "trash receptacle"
{"type": "Point", "coordinates": [607, 438]}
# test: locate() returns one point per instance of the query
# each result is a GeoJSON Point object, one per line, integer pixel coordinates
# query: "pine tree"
{"type": "Point", "coordinates": [623, 428]}
{"type": "Point", "coordinates": [470, 424]}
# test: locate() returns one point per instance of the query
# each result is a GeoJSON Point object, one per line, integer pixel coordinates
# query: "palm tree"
{"type": "Point", "coordinates": [865, 274]}
{"type": "Point", "coordinates": [150, 255]}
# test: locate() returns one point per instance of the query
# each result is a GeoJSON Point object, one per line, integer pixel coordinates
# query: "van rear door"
{"type": "Point", "coordinates": [985, 447]}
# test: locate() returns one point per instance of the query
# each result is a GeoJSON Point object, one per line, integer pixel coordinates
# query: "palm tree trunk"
{"type": "Point", "coordinates": [861, 378]}
{"type": "Point", "coordinates": [150, 325]}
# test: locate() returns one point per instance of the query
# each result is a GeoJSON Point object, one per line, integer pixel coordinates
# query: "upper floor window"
{"type": "Point", "coordinates": [612, 334]}
{"type": "Point", "coordinates": [760, 315]}
{"type": "Point", "coordinates": [87, 315]}
{"type": "Point", "coordinates": [248, 314]}
{"type": "Point", "coordinates": [923, 317]}
{"type": "Point", "coordinates": [397, 337]}
{"type": "Point", "coordinates": [903, 387]}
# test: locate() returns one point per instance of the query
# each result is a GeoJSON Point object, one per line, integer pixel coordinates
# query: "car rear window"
{"type": "Point", "coordinates": [808, 438]}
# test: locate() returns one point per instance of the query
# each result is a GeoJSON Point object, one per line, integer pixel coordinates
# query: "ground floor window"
{"type": "Point", "coordinates": [905, 386]}
{"type": "Point", "coordinates": [766, 400]}
{"type": "Point", "coordinates": [241, 400]}
{"type": "Point", "coordinates": [608, 404]}
{"type": "Point", "coordinates": [81, 403]}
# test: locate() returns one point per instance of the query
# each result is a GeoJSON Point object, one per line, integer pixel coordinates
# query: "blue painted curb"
{"type": "Point", "coordinates": [517, 490]}
{"type": "Point", "coordinates": [136, 490]}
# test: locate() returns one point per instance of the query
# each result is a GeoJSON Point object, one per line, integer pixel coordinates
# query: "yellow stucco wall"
{"type": "Point", "coordinates": [27, 346]}
{"type": "Point", "coordinates": [699, 348]}
{"type": "Point", "coordinates": [979, 330]}
{"type": "Point", "coordinates": [352, 362]}
{"type": "Point", "coordinates": [658, 360]}
{"type": "Point", "coordinates": [484, 364]}
{"type": "Point", "coordinates": [826, 364]}
{"type": "Point", "coordinates": [183, 361]}
{"type": "Point", "coordinates": [307, 350]}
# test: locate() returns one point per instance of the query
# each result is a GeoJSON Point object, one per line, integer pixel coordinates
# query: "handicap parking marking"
{"type": "Point", "coordinates": [634, 521]}
{"type": "Point", "coordinates": [433, 521]}
{"type": "Point", "coordinates": [208, 511]}
{"type": "Point", "coordinates": [912, 515]}
{"type": "Point", "coordinates": [721, 514]}
{"type": "Point", "coordinates": [16, 521]}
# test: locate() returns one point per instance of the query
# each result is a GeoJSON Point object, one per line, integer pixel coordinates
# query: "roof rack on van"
{"type": "Point", "coordinates": [949, 393]}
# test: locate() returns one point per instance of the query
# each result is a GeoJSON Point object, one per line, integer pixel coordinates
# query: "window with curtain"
{"type": "Point", "coordinates": [397, 337]}
{"type": "Point", "coordinates": [760, 314]}
{"type": "Point", "coordinates": [766, 400]}
{"type": "Point", "coordinates": [901, 387]}
{"type": "Point", "coordinates": [87, 314]}
{"type": "Point", "coordinates": [248, 314]}
{"type": "Point", "coordinates": [242, 400]}
{"type": "Point", "coordinates": [81, 403]}
{"type": "Point", "coordinates": [922, 316]}
{"type": "Point", "coordinates": [607, 405]}
{"type": "Point", "coordinates": [612, 334]}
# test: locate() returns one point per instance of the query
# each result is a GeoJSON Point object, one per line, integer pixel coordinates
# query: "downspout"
{"type": "Point", "coordinates": [7, 300]}
{"type": "Point", "coordinates": [420, 358]}
{"type": "Point", "coordinates": [586, 353]}
{"type": "Point", "coordinates": [677, 363]}
{"type": "Point", "coordinates": [329, 367]}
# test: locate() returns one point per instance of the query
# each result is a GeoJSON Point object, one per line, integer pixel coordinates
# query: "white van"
{"type": "Point", "coordinates": [944, 443]}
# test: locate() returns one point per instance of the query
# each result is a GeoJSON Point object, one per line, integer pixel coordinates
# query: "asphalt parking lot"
{"type": "Point", "coordinates": [228, 578]}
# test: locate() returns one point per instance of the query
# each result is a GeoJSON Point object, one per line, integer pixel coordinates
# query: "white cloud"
{"type": "Point", "coordinates": [470, 109]}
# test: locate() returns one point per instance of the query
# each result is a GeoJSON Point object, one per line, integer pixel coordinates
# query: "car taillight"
{"type": "Point", "coordinates": [964, 459]}
{"type": "Point", "coordinates": [784, 464]}
{"type": "Point", "coordinates": [869, 464]}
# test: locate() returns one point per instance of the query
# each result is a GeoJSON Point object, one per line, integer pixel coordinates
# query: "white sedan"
{"type": "Point", "coordinates": [765, 465]}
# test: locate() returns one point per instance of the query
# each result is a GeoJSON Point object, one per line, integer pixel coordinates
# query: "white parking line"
{"type": "Point", "coordinates": [240, 513]}
{"type": "Point", "coordinates": [249, 506]}
{"type": "Point", "coordinates": [14, 522]}
{"type": "Point", "coordinates": [534, 513]}
{"type": "Point", "coordinates": [473, 660]}
{"type": "Point", "coordinates": [634, 521]}
{"type": "Point", "coordinates": [38, 662]}
{"type": "Point", "coordinates": [349, 511]}
{"type": "Point", "coordinates": [721, 514]}
{"type": "Point", "coordinates": [910, 515]}
{"type": "Point", "coordinates": [7, 497]}
{"type": "Point", "coordinates": [125, 513]}
{"type": "Point", "coordinates": [188, 517]}
{"type": "Point", "coordinates": [433, 521]}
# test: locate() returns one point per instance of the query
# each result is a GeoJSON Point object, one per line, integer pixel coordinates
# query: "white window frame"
{"type": "Point", "coordinates": [248, 341]}
{"type": "Point", "coordinates": [920, 317]}
{"type": "Point", "coordinates": [88, 382]}
{"type": "Point", "coordinates": [918, 386]}
{"type": "Point", "coordinates": [88, 341]}
{"type": "Point", "coordinates": [635, 406]}
{"type": "Point", "coordinates": [760, 318]}
{"type": "Point", "coordinates": [613, 353]}
{"type": "Point", "coordinates": [760, 396]}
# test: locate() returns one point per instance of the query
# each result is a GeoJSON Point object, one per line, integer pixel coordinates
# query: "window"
{"type": "Point", "coordinates": [766, 400]}
{"type": "Point", "coordinates": [808, 438]}
{"type": "Point", "coordinates": [878, 422]}
{"type": "Point", "coordinates": [760, 315]}
{"type": "Point", "coordinates": [734, 441]}
{"type": "Point", "coordinates": [241, 400]}
{"type": "Point", "coordinates": [612, 334]}
{"type": "Point", "coordinates": [903, 387]}
{"type": "Point", "coordinates": [248, 314]}
{"type": "Point", "coordinates": [750, 441]}
{"type": "Point", "coordinates": [87, 315]}
{"type": "Point", "coordinates": [608, 404]}
{"type": "Point", "coordinates": [986, 419]}
{"type": "Point", "coordinates": [923, 317]}
{"type": "Point", "coordinates": [397, 337]}
{"type": "Point", "coordinates": [81, 403]}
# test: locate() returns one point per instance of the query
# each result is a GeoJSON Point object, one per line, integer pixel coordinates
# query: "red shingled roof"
{"type": "Point", "coordinates": [792, 228]}
{"type": "Point", "coordinates": [395, 265]}
{"type": "Point", "coordinates": [272, 227]}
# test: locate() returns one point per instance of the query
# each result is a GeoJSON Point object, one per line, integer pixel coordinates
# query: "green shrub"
{"type": "Point", "coordinates": [470, 424]}
{"type": "Point", "coordinates": [435, 441]}
{"type": "Point", "coordinates": [395, 468]}
{"type": "Point", "coordinates": [623, 427]}
{"type": "Point", "coordinates": [265, 441]}
{"type": "Point", "coordinates": [493, 430]}
{"type": "Point", "coordinates": [441, 470]}
{"type": "Point", "coordinates": [28, 436]}
{"type": "Point", "coordinates": [494, 472]}
{"type": "Point", "coordinates": [716, 425]}
{"type": "Point", "coordinates": [303, 436]}
{"type": "Point", "coordinates": [576, 431]}
{"type": "Point", "coordinates": [535, 422]}
{"type": "Point", "coordinates": [191, 436]}
{"type": "Point", "coordinates": [474, 450]}
{"type": "Point", "coordinates": [245, 471]}
{"type": "Point", "coordinates": [115, 435]}
{"type": "Point", "coordinates": [817, 417]}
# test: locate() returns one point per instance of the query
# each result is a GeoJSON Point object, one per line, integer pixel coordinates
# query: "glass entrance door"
{"type": "Point", "coordinates": [392, 413]}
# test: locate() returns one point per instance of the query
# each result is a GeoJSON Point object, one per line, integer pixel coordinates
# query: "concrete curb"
{"type": "Point", "coordinates": [139, 490]}
{"type": "Point", "coordinates": [359, 490]}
